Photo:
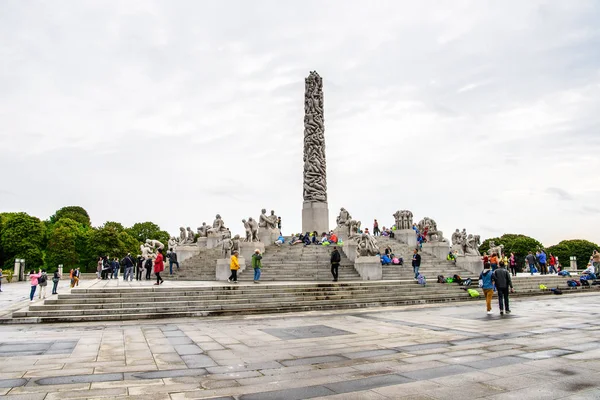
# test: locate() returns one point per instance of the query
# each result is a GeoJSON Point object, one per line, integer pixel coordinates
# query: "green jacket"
{"type": "Point", "coordinates": [256, 260]}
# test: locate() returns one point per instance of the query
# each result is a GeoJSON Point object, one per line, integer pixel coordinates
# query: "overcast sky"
{"type": "Point", "coordinates": [481, 115]}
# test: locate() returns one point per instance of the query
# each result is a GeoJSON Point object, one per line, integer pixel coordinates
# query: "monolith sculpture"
{"type": "Point", "coordinates": [315, 212]}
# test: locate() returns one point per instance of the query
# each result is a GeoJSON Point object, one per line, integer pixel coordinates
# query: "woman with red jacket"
{"type": "Point", "coordinates": [159, 266]}
{"type": "Point", "coordinates": [553, 264]}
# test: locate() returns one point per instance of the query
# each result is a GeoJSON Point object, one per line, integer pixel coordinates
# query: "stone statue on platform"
{"type": "Point", "coordinates": [471, 245]}
{"type": "Point", "coordinates": [272, 220]}
{"type": "Point", "coordinates": [354, 227]}
{"type": "Point", "coordinates": [253, 230]}
{"type": "Point", "coordinates": [147, 251]}
{"type": "Point", "coordinates": [172, 242]}
{"type": "Point", "coordinates": [496, 249]}
{"type": "Point", "coordinates": [343, 217]}
{"type": "Point", "coordinates": [182, 235]}
{"type": "Point", "coordinates": [404, 219]}
{"type": "Point", "coordinates": [218, 227]}
{"type": "Point", "coordinates": [429, 226]}
{"type": "Point", "coordinates": [154, 244]}
{"type": "Point", "coordinates": [248, 231]}
{"type": "Point", "coordinates": [190, 236]}
{"type": "Point", "coordinates": [203, 230]}
{"type": "Point", "coordinates": [236, 243]}
{"type": "Point", "coordinates": [366, 245]}
{"type": "Point", "coordinates": [226, 247]}
{"type": "Point", "coordinates": [263, 220]}
{"type": "Point", "coordinates": [456, 238]}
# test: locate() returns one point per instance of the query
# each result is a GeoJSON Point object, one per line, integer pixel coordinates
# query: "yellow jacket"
{"type": "Point", "coordinates": [234, 264]}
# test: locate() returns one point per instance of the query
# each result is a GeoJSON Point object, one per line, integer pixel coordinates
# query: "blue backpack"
{"type": "Point", "coordinates": [571, 283]}
{"type": "Point", "coordinates": [421, 280]}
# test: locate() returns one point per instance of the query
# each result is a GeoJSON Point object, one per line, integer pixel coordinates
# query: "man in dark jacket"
{"type": "Point", "coordinates": [172, 256]}
{"type": "Point", "coordinates": [335, 263]}
{"type": "Point", "coordinates": [501, 277]}
{"type": "Point", "coordinates": [139, 268]}
{"type": "Point", "coordinates": [416, 262]}
{"type": "Point", "coordinates": [128, 272]}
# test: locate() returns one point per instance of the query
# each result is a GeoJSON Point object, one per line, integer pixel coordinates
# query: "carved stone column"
{"type": "Point", "coordinates": [315, 211]}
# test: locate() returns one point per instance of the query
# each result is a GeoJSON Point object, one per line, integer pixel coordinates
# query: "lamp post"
{"type": "Point", "coordinates": [19, 271]}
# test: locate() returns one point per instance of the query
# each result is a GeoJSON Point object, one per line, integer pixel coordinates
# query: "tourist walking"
{"type": "Point", "coordinates": [512, 262]}
{"type": "Point", "coordinates": [530, 260]}
{"type": "Point", "coordinates": [55, 280]}
{"type": "Point", "coordinates": [552, 264]}
{"type": "Point", "coordinates": [542, 261]}
{"type": "Point", "coordinates": [234, 266]}
{"type": "Point", "coordinates": [335, 263]}
{"type": "Point", "coordinates": [375, 228]}
{"type": "Point", "coordinates": [159, 266]}
{"type": "Point", "coordinates": [485, 282]}
{"type": "Point", "coordinates": [501, 278]}
{"type": "Point", "coordinates": [33, 278]}
{"type": "Point", "coordinates": [128, 268]}
{"type": "Point", "coordinates": [116, 267]}
{"type": "Point", "coordinates": [416, 262]}
{"type": "Point", "coordinates": [43, 284]}
{"type": "Point", "coordinates": [494, 261]}
{"type": "Point", "coordinates": [256, 264]}
{"type": "Point", "coordinates": [172, 260]}
{"type": "Point", "coordinates": [139, 268]}
{"type": "Point", "coordinates": [99, 268]}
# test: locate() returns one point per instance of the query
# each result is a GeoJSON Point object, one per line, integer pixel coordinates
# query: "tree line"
{"type": "Point", "coordinates": [68, 238]}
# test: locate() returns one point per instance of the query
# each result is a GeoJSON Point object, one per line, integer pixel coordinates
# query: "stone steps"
{"type": "Point", "coordinates": [161, 302]}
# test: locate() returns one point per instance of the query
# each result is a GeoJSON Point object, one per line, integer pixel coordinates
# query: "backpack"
{"type": "Point", "coordinates": [473, 292]}
{"type": "Point", "coordinates": [584, 282]}
{"type": "Point", "coordinates": [449, 280]}
{"type": "Point", "coordinates": [441, 279]}
{"type": "Point", "coordinates": [467, 282]}
{"type": "Point", "coordinates": [421, 280]}
{"type": "Point", "coordinates": [457, 279]}
{"type": "Point", "coordinates": [571, 283]}
{"type": "Point", "coordinates": [543, 287]}
{"type": "Point", "coordinates": [395, 261]}
{"type": "Point", "coordinates": [42, 279]}
{"type": "Point", "coordinates": [556, 291]}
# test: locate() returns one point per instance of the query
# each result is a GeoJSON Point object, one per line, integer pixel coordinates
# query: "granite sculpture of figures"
{"type": "Point", "coordinates": [470, 245]}
{"type": "Point", "coordinates": [248, 231]}
{"type": "Point", "coordinates": [263, 220]}
{"type": "Point", "coordinates": [430, 226]}
{"type": "Point", "coordinates": [315, 176]}
{"type": "Point", "coordinates": [182, 235]}
{"type": "Point", "coordinates": [236, 243]}
{"type": "Point", "coordinates": [147, 251]}
{"type": "Point", "coordinates": [496, 249]}
{"type": "Point", "coordinates": [218, 226]}
{"type": "Point", "coordinates": [154, 244]}
{"type": "Point", "coordinates": [226, 247]}
{"type": "Point", "coordinates": [456, 238]}
{"type": "Point", "coordinates": [253, 230]}
{"type": "Point", "coordinates": [172, 242]}
{"type": "Point", "coordinates": [272, 220]}
{"type": "Point", "coordinates": [353, 226]}
{"type": "Point", "coordinates": [404, 219]}
{"type": "Point", "coordinates": [203, 230]}
{"type": "Point", "coordinates": [343, 217]}
{"type": "Point", "coordinates": [366, 245]}
{"type": "Point", "coordinates": [190, 236]}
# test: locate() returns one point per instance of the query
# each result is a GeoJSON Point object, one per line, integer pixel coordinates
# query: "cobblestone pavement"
{"type": "Point", "coordinates": [548, 348]}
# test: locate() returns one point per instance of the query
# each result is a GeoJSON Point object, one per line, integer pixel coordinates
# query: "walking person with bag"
{"type": "Point", "coordinates": [335, 263]}
{"type": "Point", "coordinates": [256, 264]}
{"type": "Point", "coordinates": [501, 278]}
{"type": "Point", "coordinates": [512, 262]}
{"type": "Point", "coordinates": [159, 266]}
{"type": "Point", "coordinates": [485, 283]}
{"type": "Point", "coordinates": [234, 266]}
{"type": "Point", "coordinates": [416, 263]}
{"type": "Point", "coordinates": [43, 283]}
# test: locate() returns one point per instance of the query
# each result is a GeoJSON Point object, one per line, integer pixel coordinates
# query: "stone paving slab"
{"type": "Point", "coordinates": [433, 352]}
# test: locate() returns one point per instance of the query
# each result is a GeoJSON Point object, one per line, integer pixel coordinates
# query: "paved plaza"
{"type": "Point", "coordinates": [548, 348]}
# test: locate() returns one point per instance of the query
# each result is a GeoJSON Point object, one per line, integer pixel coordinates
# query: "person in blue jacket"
{"type": "Point", "coordinates": [487, 286]}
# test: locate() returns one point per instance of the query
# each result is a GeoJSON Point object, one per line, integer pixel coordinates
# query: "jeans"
{"type": "Point", "coordinates": [256, 274]}
{"type": "Point", "coordinates": [503, 299]}
{"type": "Point", "coordinates": [171, 263]}
{"type": "Point", "coordinates": [128, 274]}
{"type": "Point", "coordinates": [148, 272]}
{"type": "Point", "coordinates": [334, 271]}
{"type": "Point", "coordinates": [488, 293]}
{"type": "Point", "coordinates": [115, 273]}
{"type": "Point", "coordinates": [494, 267]}
{"type": "Point", "coordinates": [553, 269]}
{"type": "Point", "coordinates": [233, 276]}
{"type": "Point", "coordinates": [416, 270]}
{"type": "Point", "coordinates": [543, 269]}
{"type": "Point", "coordinates": [54, 287]}
{"type": "Point", "coordinates": [531, 267]}
{"type": "Point", "coordinates": [32, 292]}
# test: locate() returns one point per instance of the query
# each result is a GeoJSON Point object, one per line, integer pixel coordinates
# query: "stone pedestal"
{"type": "Point", "coordinates": [186, 251]}
{"type": "Point", "coordinates": [17, 271]}
{"type": "Point", "coordinates": [315, 217]}
{"type": "Point", "coordinates": [60, 270]}
{"type": "Point", "coordinates": [222, 271]}
{"type": "Point", "coordinates": [438, 249]}
{"type": "Point", "coordinates": [407, 236]}
{"type": "Point", "coordinates": [247, 249]}
{"type": "Point", "coordinates": [342, 233]}
{"type": "Point", "coordinates": [202, 242]}
{"type": "Point", "coordinates": [573, 265]}
{"type": "Point", "coordinates": [268, 236]}
{"type": "Point", "coordinates": [212, 240]}
{"type": "Point", "coordinates": [470, 263]}
{"type": "Point", "coordinates": [349, 249]}
{"type": "Point", "coordinates": [369, 268]}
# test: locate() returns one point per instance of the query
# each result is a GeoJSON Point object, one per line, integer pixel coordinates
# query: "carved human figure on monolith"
{"type": "Point", "coordinates": [366, 245]}
{"type": "Point", "coordinates": [343, 217]}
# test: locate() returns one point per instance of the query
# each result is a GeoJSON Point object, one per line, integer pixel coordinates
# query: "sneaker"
{"type": "Point", "coordinates": [255, 281]}
{"type": "Point", "coordinates": [501, 312]}
{"type": "Point", "coordinates": [228, 280]}
{"type": "Point", "coordinates": [489, 313]}
{"type": "Point", "coordinates": [161, 282]}
{"type": "Point", "coordinates": [508, 311]}
{"type": "Point", "coordinates": [156, 283]}
{"type": "Point", "coordinates": [234, 281]}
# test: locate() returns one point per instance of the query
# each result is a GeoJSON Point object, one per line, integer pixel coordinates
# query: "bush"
{"type": "Point", "coordinates": [581, 249]}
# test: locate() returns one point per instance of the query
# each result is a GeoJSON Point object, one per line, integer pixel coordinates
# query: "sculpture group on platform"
{"type": "Point", "coordinates": [315, 175]}
{"type": "Point", "coordinates": [404, 219]}
{"type": "Point", "coordinates": [428, 227]}
{"type": "Point", "coordinates": [267, 221]}
{"type": "Point", "coordinates": [465, 244]}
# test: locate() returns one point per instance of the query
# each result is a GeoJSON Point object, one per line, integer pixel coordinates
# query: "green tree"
{"type": "Point", "coordinates": [66, 243]}
{"type": "Point", "coordinates": [117, 226]}
{"type": "Point", "coordinates": [108, 241]}
{"type": "Point", "coordinates": [22, 236]}
{"type": "Point", "coordinates": [581, 249]}
{"type": "Point", "coordinates": [148, 230]}
{"type": "Point", "coordinates": [520, 245]}
{"type": "Point", "coordinates": [75, 213]}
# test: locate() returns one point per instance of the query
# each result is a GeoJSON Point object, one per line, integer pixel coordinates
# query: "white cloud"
{"type": "Point", "coordinates": [467, 112]}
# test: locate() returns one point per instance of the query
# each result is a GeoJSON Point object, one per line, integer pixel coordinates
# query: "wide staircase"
{"type": "Point", "coordinates": [200, 267]}
{"type": "Point", "coordinates": [300, 263]}
{"type": "Point", "coordinates": [431, 266]}
{"type": "Point", "coordinates": [104, 304]}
